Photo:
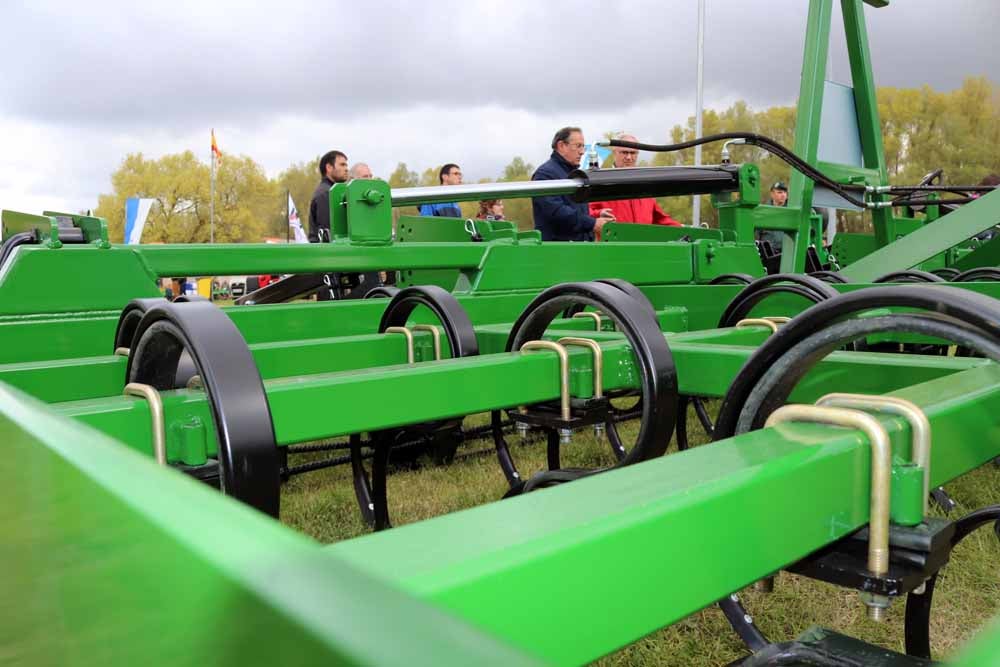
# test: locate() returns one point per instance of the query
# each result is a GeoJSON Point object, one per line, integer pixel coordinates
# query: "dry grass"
{"type": "Point", "coordinates": [321, 504]}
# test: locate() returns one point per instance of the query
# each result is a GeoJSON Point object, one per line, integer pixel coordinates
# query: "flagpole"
{"type": "Point", "coordinates": [288, 217]}
{"type": "Point", "coordinates": [211, 201]}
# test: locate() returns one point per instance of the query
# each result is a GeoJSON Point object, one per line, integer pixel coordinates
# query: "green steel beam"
{"type": "Point", "coordinates": [667, 524]}
{"type": "Point", "coordinates": [929, 240]}
{"type": "Point", "coordinates": [866, 106]}
{"type": "Point", "coordinates": [109, 561]}
{"type": "Point", "coordinates": [479, 384]}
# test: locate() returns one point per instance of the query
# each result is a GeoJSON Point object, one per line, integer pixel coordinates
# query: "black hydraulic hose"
{"type": "Point", "coordinates": [942, 188]}
{"type": "Point", "coordinates": [761, 141]}
{"type": "Point", "coordinates": [933, 202]}
{"type": "Point", "coordinates": [948, 273]}
{"type": "Point", "coordinates": [830, 277]}
{"type": "Point", "coordinates": [786, 154]}
{"type": "Point", "coordinates": [978, 274]}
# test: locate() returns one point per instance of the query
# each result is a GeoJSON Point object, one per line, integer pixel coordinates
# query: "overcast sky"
{"type": "Point", "coordinates": [84, 83]}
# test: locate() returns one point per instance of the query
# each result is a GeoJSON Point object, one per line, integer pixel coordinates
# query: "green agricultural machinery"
{"type": "Point", "coordinates": [148, 440]}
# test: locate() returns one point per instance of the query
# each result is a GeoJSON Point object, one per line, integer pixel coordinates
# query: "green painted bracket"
{"type": "Point", "coordinates": [928, 241]}
{"type": "Point", "coordinates": [95, 230]}
{"type": "Point", "coordinates": [45, 227]}
{"type": "Point", "coordinates": [632, 233]}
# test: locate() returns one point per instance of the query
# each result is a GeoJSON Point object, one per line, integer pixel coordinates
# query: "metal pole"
{"type": "Point", "coordinates": [211, 205]}
{"type": "Point", "coordinates": [696, 201]}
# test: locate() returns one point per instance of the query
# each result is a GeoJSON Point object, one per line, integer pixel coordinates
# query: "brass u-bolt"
{"type": "Point", "coordinates": [563, 371]}
{"type": "Point", "coordinates": [156, 412]}
{"type": "Point", "coordinates": [435, 334]}
{"type": "Point", "coordinates": [598, 360]}
{"type": "Point", "coordinates": [758, 322]}
{"type": "Point", "coordinates": [594, 316]}
{"type": "Point", "coordinates": [878, 532]}
{"type": "Point", "coordinates": [920, 426]}
{"type": "Point", "coordinates": [409, 340]}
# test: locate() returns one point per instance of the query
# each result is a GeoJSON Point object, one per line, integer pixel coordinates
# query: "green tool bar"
{"type": "Point", "coordinates": [575, 572]}
{"type": "Point", "coordinates": [258, 258]}
{"type": "Point", "coordinates": [117, 562]}
{"type": "Point", "coordinates": [929, 240]}
{"type": "Point", "coordinates": [307, 408]}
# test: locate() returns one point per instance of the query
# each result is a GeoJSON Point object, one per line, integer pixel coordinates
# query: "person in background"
{"type": "Point", "coordinates": [490, 209]}
{"type": "Point", "coordinates": [779, 194]}
{"type": "Point", "coordinates": [360, 170]}
{"type": "Point", "coordinates": [643, 211]}
{"type": "Point", "coordinates": [558, 217]}
{"type": "Point", "coordinates": [332, 169]}
{"type": "Point", "coordinates": [450, 174]}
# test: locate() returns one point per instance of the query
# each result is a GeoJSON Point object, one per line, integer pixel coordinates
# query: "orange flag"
{"type": "Point", "coordinates": [215, 147]}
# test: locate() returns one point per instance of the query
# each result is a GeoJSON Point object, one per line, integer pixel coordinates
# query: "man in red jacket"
{"type": "Point", "coordinates": [642, 211]}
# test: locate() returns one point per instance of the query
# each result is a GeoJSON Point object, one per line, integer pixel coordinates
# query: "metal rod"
{"type": "Point", "coordinates": [156, 412]}
{"type": "Point", "coordinates": [920, 426]}
{"type": "Point", "coordinates": [699, 104]}
{"type": "Point", "coordinates": [476, 191]}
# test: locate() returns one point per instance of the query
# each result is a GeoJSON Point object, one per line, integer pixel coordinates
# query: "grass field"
{"type": "Point", "coordinates": [321, 504]}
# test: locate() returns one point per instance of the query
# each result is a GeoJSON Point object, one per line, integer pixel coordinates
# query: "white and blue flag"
{"type": "Point", "coordinates": [136, 212]}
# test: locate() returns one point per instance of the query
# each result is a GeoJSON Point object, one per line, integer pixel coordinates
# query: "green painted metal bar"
{"type": "Point", "coordinates": [866, 105]}
{"type": "Point", "coordinates": [808, 114]}
{"type": "Point", "coordinates": [671, 520]}
{"type": "Point", "coordinates": [109, 560]}
{"type": "Point", "coordinates": [929, 240]}
{"type": "Point", "coordinates": [479, 384]}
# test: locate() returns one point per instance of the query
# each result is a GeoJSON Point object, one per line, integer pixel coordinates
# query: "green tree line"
{"type": "Point", "coordinates": [923, 130]}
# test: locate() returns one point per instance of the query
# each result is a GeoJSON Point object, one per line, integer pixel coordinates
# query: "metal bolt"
{"type": "Point", "coordinates": [522, 429]}
{"type": "Point", "coordinates": [565, 436]}
{"type": "Point", "coordinates": [877, 605]}
{"type": "Point", "coordinates": [599, 431]}
{"type": "Point", "coordinates": [748, 619]}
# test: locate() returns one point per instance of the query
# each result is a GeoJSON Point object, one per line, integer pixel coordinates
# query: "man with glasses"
{"type": "Point", "coordinates": [643, 211]}
{"type": "Point", "coordinates": [450, 174]}
{"type": "Point", "coordinates": [558, 217]}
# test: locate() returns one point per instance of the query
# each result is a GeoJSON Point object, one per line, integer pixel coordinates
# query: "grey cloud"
{"type": "Point", "coordinates": [96, 64]}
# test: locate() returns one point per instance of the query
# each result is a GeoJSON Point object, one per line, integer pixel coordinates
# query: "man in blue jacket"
{"type": "Point", "coordinates": [450, 174]}
{"type": "Point", "coordinates": [559, 218]}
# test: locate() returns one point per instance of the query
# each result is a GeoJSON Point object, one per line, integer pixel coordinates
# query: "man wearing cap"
{"type": "Point", "coordinates": [778, 197]}
{"type": "Point", "coordinates": [779, 194]}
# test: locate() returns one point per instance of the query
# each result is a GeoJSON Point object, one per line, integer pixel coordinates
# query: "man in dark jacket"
{"type": "Point", "coordinates": [333, 169]}
{"type": "Point", "coordinates": [559, 218]}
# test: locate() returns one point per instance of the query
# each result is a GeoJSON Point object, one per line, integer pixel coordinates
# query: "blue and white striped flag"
{"type": "Point", "coordinates": [136, 212]}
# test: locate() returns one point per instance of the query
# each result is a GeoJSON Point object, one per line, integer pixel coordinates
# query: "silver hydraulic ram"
{"type": "Point", "coordinates": [591, 185]}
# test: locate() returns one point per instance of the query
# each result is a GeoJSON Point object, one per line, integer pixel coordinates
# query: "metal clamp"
{"type": "Point", "coordinates": [194, 382]}
{"type": "Point", "coordinates": [777, 319]}
{"type": "Point", "coordinates": [881, 471]}
{"type": "Point", "coordinates": [409, 340]}
{"type": "Point", "coordinates": [563, 371]}
{"type": "Point", "coordinates": [435, 334]}
{"type": "Point", "coordinates": [598, 360]}
{"type": "Point", "coordinates": [156, 411]}
{"type": "Point", "coordinates": [919, 425]}
{"type": "Point", "coordinates": [758, 322]}
{"type": "Point", "coordinates": [594, 316]}
{"type": "Point", "coordinates": [122, 352]}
